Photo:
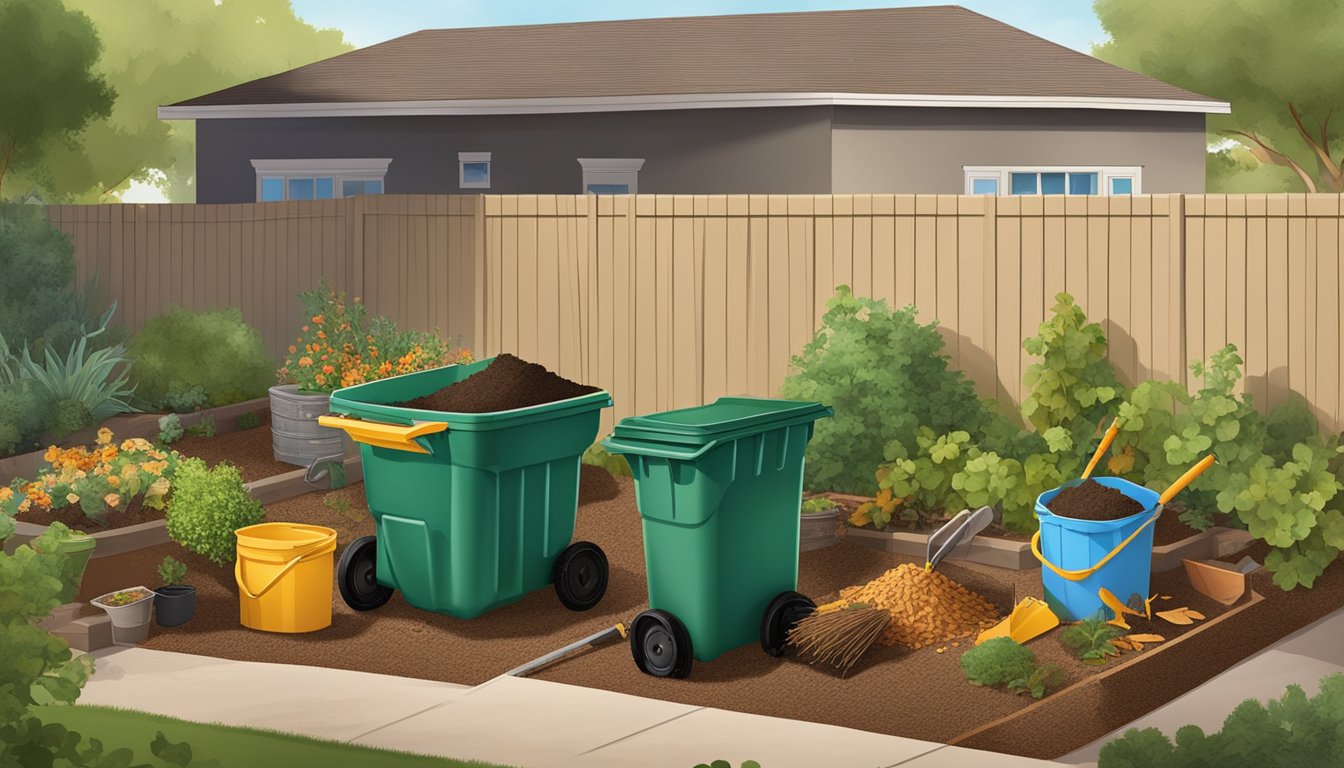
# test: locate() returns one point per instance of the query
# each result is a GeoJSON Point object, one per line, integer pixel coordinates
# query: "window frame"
{"type": "Point", "coordinates": [1104, 175]}
{"type": "Point", "coordinates": [339, 170]}
{"type": "Point", "coordinates": [611, 170]}
{"type": "Point", "coordinates": [463, 158]}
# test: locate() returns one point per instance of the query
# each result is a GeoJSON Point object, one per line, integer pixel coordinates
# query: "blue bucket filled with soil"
{"type": "Point", "coordinates": [1079, 557]}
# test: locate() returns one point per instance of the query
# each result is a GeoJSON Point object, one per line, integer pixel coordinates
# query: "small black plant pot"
{"type": "Point", "coordinates": [174, 605]}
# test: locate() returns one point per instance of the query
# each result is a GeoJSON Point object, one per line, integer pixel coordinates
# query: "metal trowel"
{"type": "Point", "coordinates": [960, 529]}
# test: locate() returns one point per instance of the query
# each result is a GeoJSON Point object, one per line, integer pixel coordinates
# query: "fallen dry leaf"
{"type": "Point", "coordinates": [1180, 615]}
{"type": "Point", "coordinates": [1194, 614]}
{"type": "Point", "coordinates": [1148, 607]}
{"type": "Point", "coordinates": [1142, 638]}
{"type": "Point", "coordinates": [1122, 645]}
{"type": "Point", "coordinates": [1164, 597]}
{"type": "Point", "coordinates": [1119, 622]}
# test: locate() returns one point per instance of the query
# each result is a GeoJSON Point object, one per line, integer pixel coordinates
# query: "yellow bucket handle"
{"type": "Point", "coordinates": [1167, 496]}
{"type": "Point", "coordinates": [238, 572]}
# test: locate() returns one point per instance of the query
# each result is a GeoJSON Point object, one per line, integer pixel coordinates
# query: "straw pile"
{"type": "Point", "coordinates": [926, 607]}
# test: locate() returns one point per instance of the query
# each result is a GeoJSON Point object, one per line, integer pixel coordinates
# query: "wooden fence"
{"type": "Point", "coordinates": [671, 300]}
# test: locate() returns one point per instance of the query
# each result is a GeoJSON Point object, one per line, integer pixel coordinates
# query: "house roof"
{"type": "Point", "coordinates": [927, 56]}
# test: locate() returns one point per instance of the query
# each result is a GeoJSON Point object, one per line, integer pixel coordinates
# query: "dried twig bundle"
{"type": "Point", "coordinates": [840, 637]}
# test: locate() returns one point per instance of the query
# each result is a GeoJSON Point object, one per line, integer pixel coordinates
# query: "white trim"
{"type": "Point", "coordinates": [339, 170]}
{"type": "Point", "coordinates": [676, 101]}
{"type": "Point", "coordinates": [333, 166]}
{"type": "Point", "coordinates": [611, 170]}
{"type": "Point", "coordinates": [473, 157]}
{"type": "Point", "coordinates": [1104, 175]}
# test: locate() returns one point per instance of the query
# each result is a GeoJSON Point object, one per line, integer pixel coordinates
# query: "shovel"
{"type": "Point", "coordinates": [960, 529]}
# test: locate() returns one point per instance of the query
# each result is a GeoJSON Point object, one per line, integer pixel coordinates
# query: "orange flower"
{"type": "Point", "coordinates": [304, 362]}
{"type": "Point", "coordinates": [317, 320]}
{"type": "Point", "coordinates": [328, 369]}
{"type": "Point", "coordinates": [113, 481]}
{"type": "Point", "coordinates": [321, 335]}
{"type": "Point", "coordinates": [112, 500]}
{"type": "Point", "coordinates": [293, 349]}
{"type": "Point", "coordinates": [320, 379]}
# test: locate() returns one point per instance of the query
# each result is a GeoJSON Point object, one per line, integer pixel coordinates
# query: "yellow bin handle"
{"type": "Point", "coordinates": [394, 436]}
{"type": "Point", "coordinates": [1167, 496]}
{"type": "Point", "coordinates": [238, 571]}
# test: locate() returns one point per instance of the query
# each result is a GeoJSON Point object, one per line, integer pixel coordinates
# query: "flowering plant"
{"type": "Point", "coordinates": [338, 346]}
{"type": "Point", "coordinates": [99, 478]}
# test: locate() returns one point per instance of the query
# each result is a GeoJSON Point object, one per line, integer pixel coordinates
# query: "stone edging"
{"type": "Point", "coordinates": [126, 426]}
{"type": "Point", "coordinates": [118, 541]}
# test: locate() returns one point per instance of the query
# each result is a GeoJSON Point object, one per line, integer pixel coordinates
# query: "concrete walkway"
{"type": "Point", "coordinates": [511, 721]}
{"type": "Point", "coordinates": [1303, 657]}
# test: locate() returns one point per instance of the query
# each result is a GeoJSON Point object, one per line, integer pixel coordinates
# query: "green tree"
{"type": "Point", "coordinates": [1268, 58]}
{"type": "Point", "coordinates": [198, 46]}
{"type": "Point", "coordinates": [49, 91]}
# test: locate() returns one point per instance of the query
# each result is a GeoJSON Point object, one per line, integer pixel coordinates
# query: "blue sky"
{"type": "Point", "coordinates": [1068, 22]}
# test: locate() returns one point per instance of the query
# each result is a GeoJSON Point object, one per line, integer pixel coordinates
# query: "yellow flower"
{"type": "Point", "coordinates": [129, 471]}
{"type": "Point", "coordinates": [104, 436]}
{"type": "Point", "coordinates": [154, 467]}
{"type": "Point", "coordinates": [53, 453]}
{"type": "Point", "coordinates": [114, 481]}
{"type": "Point", "coordinates": [25, 505]}
{"type": "Point", "coordinates": [72, 498]}
{"type": "Point", "coordinates": [112, 500]}
{"type": "Point", "coordinates": [158, 487]}
{"type": "Point", "coordinates": [6, 493]}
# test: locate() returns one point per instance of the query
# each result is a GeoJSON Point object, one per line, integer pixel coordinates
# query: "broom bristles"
{"type": "Point", "coordinates": [839, 638]}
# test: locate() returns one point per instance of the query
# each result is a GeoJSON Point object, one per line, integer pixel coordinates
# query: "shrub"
{"type": "Point", "coordinates": [885, 376]}
{"type": "Point", "coordinates": [38, 262]}
{"type": "Point", "coordinates": [172, 571]}
{"type": "Point", "coordinates": [597, 456]}
{"type": "Point", "coordinates": [184, 398]}
{"type": "Point", "coordinates": [1073, 385]}
{"type": "Point", "coordinates": [1292, 732]}
{"type": "Point", "coordinates": [208, 505]}
{"type": "Point", "coordinates": [213, 351]}
{"type": "Point", "coordinates": [22, 408]}
{"type": "Point", "coordinates": [1004, 661]}
{"type": "Point", "coordinates": [203, 428]}
{"type": "Point", "coordinates": [339, 346]}
{"type": "Point", "coordinates": [170, 429]}
{"type": "Point", "coordinates": [1090, 639]}
{"type": "Point", "coordinates": [100, 478]}
{"type": "Point", "coordinates": [249, 420]}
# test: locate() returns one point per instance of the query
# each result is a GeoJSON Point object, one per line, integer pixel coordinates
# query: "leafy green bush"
{"type": "Point", "coordinates": [816, 505]}
{"type": "Point", "coordinates": [22, 411]}
{"type": "Point", "coordinates": [885, 375]}
{"type": "Point", "coordinates": [172, 571]}
{"type": "Point", "coordinates": [184, 398]}
{"type": "Point", "coordinates": [170, 429]}
{"type": "Point", "coordinates": [213, 350]}
{"type": "Point", "coordinates": [207, 506]}
{"type": "Point", "coordinates": [597, 456]}
{"type": "Point", "coordinates": [1091, 639]}
{"type": "Point", "coordinates": [203, 428]}
{"type": "Point", "coordinates": [1292, 732]}
{"type": "Point", "coordinates": [1004, 661]}
{"type": "Point", "coordinates": [997, 661]}
{"type": "Point", "coordinates": [37, 300]}
{"type": "Point", "coordinates": [1073, 385]}
{"type": "Point", "coordinates": [249, 420]}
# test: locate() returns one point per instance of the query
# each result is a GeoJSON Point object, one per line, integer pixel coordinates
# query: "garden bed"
{"type": "Point", "coordinates": [250, 450]}
{"type": "Point", "coordinates": [397, 639]}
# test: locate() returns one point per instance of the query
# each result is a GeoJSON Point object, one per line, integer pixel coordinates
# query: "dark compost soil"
{"type": "Point", "coordinates": [400, 640]}
{"type": "Point", "coordinates": [74, 517]}
{"type": "Point", "coordinates": [1091, 500]}
{"type": "Point", "coordinates": [506, 383]}
{"type": "Point", "coordinates": [251, 450]}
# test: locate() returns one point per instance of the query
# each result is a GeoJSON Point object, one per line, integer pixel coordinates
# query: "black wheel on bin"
{"type": "Point", "coordinates": [661, 645]}
{"type": "Point", "coordinates": [357, 576]}
{"type": "Point", "coordinates": [580, 575]}
{"type": "Point", "coordinates": [782, 615]}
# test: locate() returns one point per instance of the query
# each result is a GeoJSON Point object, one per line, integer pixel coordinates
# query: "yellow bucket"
{"type": "Point", "coordinates": [284, 574]}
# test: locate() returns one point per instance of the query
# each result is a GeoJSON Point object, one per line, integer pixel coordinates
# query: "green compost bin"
{"type": "Point", "coordinates": [719, 488]}
{"type": "Point", "coordinates": [478, 519]}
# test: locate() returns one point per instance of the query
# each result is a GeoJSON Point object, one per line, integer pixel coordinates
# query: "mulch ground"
{"type": "Point", "coordinates": [918, 694]}
{"type": "Point", "coordinates": [250, 450]}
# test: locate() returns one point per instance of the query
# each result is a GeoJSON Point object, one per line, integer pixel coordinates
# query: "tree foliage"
{"type": "Point", "coordinates": [199, 46]}
{"type": "Point", "coordinates": [1259, 56]}
{"type": "Point", "coordinates": [49, 91]}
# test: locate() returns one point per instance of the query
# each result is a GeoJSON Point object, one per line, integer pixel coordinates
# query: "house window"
{"type": "Point", "coordinates": [319, 179]}
{"type": "Point", "coordinates": [473, 170]}
{"type": "Point", "coordinates": [611, 176]}
{"type": "Point", "coordinates": [1059, 180]}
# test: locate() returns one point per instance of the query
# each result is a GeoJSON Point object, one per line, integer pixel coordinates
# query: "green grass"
{"type": "Point", "coordinates": [251, 747]}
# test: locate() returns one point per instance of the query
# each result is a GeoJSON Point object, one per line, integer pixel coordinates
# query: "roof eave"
{"type": "Point", "coordinates": [674, 101]}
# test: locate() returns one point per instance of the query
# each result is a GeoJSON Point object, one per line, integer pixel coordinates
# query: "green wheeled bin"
{"type": "Point", "coordinates": [719, 488]}
{"type": "Point", "coordinates": [472, 510]}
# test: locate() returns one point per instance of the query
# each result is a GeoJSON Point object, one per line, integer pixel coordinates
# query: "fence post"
{"type": "Point", "coordinates": [478, 253]}
{"type": "Point", "coordinates": [1176, 214]}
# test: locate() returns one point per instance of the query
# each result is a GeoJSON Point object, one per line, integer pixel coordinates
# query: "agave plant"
{"type": "Point", "coordinates": [97, 380]}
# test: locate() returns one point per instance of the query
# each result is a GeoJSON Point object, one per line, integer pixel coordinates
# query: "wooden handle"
{"type": "Point", "coordinates": [1106, 441]}
{"type": "Point", "coordinates": [1187, 478]}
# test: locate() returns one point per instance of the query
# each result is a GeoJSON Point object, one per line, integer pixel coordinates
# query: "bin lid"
{"type": "Point", "coordinates": [703, 423]}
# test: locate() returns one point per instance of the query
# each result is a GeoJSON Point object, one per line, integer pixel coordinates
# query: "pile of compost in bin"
{"type": "Point", "coordinates": [508, 382]}
{"type": "Point", "coordinates": [1091, 500]}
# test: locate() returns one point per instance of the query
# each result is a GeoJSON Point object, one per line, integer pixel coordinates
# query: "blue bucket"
{"type": "Point", "coordinates": [1079, 557]}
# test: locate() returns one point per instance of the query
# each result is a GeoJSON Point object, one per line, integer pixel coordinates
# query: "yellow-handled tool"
{"type": "Point", "coordinates": [1105, 445]}
{"type": "Point", "coordinates": [394, 436]}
